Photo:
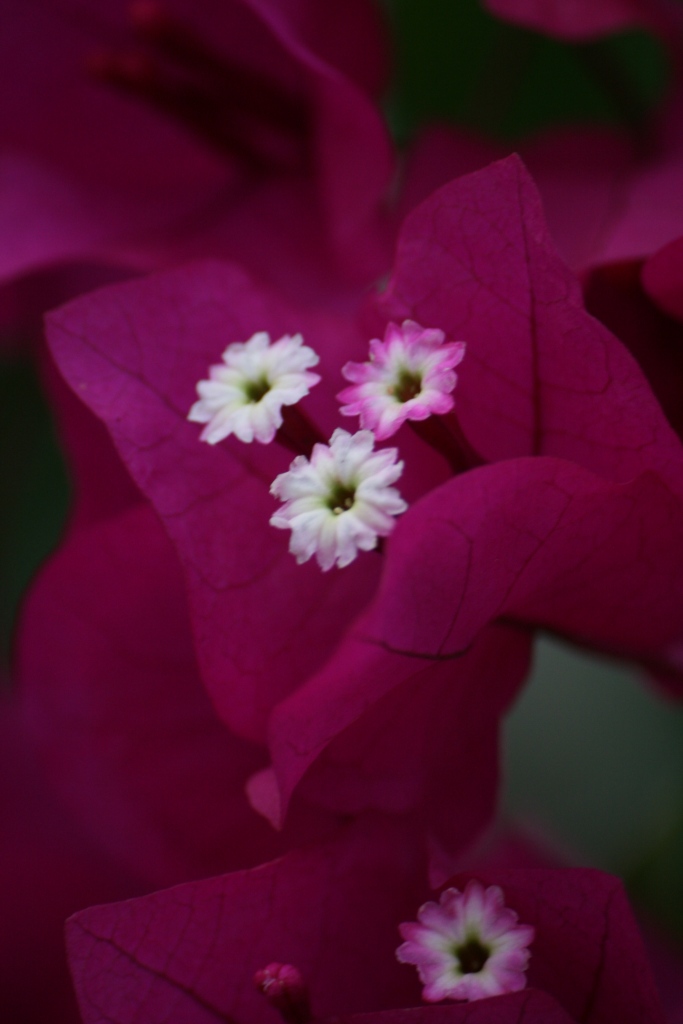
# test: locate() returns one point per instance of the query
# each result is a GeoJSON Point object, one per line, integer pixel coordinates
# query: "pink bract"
{"type": "Point", "coordinates": [581, 174]}
{"type": "Point", "coordinates": [434, 635]}
{"type": "Point", "coordinates": [631, 298]}
{"type": "Point", "coordinates": [48, 870]}
{"type": "Point", "coordinates": [577, 19]}
{"type": "Point", "coordinates": [179, 953]}
{"type": "Point", "coordinates": [605, 199]}
{"type": "Point", "coordinates": [541, 376]}
{"type": "Point", "coordinates": [120, 182]}
{"type": "Point", "coordinates": [112, 698]}
{"type": "Point", "coordinates": [662, 277]}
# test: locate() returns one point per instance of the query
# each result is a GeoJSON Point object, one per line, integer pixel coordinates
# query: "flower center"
{"type": "Point", "coordinates": [407, 386]}
{"type": "Point", "coordinates": [256, 389]}
{"type": "Point", "coordinates": [341, 498]}
{"type": "Point", "coordinates": [472, 956]}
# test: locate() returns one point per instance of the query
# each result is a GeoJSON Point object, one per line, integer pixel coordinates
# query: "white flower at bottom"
{"type": "Point", "coordinates": [245, 393]}
{"type": "Point", "coordinates": [340, 501]}
{"type": "Point", "coordinates": [468, 946]}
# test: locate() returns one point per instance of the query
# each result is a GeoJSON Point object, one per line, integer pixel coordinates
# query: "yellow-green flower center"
{"type": "Point", "coordinates": [341, 498]}
{"type": "Point", "coordinates": [256, 389]}
{"type": "Point", "coordinates": [408, 385]}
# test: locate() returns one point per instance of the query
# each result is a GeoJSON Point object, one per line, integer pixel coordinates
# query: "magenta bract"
{"type": "Point", "coordinates": [605, 199]}
{"type": "Point", "coordinates": [333, 913]}
{"type": "Point", "coordinates": [662, 277]}
{"type": "Point", "coordinates": [111, 694]}
{"type": "Point", "coordinates": [278, 180]}
{"type": "Point", "coordinates": [330, 911]}
{"type": "Point", "coordinates": [541, 376]}
{"type": "Point", "coordinates": [586, 540]}
{"type": "Point", "coordinates": [575, 19]}
{"type": "Point", "coordinates": [48, 870]}
{"type": "Point", "coordinates": [253, 638]}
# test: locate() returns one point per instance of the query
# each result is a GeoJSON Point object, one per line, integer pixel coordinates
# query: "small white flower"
{"type": "Point", "coordinates": [467, 946]}
{"type": "Point", "coordinates": [245, 393]}
{"type": "Point", "coordinates": [340, 501]}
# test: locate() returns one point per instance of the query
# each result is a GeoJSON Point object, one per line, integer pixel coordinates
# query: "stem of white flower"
{"type": "Point", "coordinates": [297, 433]}
{"type": "Point", "coordinates": [445, 435]}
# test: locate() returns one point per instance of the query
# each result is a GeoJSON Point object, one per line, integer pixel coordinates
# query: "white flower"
{"type": "Point", "coordinates": [468, 946]}
{"type": "Point", "coordinates": [245, 393]}
{"type": "Point", "coordinates": [340, 501]}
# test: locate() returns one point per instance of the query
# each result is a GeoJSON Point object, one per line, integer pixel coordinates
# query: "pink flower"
{"type": "Point", "coordinates": [285, 990]}
{"type": "Point", "coordinates": [468, 946]}
{"type": "Point", "coordinates": [409, 377]}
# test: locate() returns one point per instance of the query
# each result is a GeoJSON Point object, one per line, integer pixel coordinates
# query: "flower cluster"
{"type": "Point", "coordinates": [267, 779]}
{"type": "Point", "coordinates": [340, 500]}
